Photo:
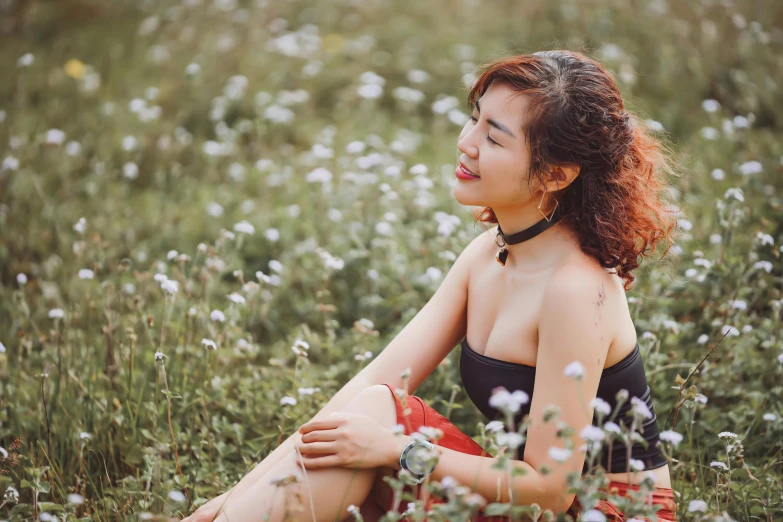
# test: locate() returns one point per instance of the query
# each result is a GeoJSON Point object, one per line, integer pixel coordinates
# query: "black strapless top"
{"type": "Point", "coordinates": [480, 374]}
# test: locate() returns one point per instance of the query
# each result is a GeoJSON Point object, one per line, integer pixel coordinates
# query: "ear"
{"type": "Point", "coordinates": [560, 177]}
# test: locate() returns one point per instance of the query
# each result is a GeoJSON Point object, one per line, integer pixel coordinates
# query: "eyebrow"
{"type": "Point", "coordinates": [496, 124]}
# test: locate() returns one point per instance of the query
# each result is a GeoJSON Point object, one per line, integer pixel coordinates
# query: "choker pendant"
{"type": "Point", "coordinates": [502, 255]}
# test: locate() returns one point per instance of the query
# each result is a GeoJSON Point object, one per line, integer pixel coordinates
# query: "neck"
{"type": "Point", "coordinates": [537, 252]}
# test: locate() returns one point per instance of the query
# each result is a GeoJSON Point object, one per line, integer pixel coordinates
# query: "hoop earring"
{"type": "Point", "coordinates": [553, 210]}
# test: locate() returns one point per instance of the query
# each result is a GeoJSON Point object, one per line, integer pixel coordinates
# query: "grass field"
{"type": "Point", "coordinates": [179, 176]}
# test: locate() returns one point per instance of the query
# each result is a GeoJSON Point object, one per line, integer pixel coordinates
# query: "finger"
{"type": "Point", "coordinates": [328, 423]}
{"type": "Point", "coordinates": [320, 436]}
{"type": "Point", "coordinates": [331, 461]}
{"type": "Point", "coordinates": [317, 448]}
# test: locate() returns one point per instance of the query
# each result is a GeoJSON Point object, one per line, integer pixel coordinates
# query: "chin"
{"type": "Point", "coordinates": [463, 196]}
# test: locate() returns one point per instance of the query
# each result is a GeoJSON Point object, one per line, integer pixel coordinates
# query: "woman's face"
{"type": "Point", "coordinates": [494, 148]}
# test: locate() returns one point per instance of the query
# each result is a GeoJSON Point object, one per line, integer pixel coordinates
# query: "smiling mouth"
{"type": "Point", "coordinates": [467, 172]}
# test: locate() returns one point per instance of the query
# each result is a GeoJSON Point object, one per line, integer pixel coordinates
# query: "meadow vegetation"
{"type": "Point", "coordinates": [213, 213]}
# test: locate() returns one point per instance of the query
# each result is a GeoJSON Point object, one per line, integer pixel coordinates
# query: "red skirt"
{"type": "Point", "coordinates": [454, 438]}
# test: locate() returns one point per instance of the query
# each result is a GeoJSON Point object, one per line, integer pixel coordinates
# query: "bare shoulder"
{"type": "Point", "coordinates": [590, 295]}
{"type": "Point", "coordinates": [584, 274]}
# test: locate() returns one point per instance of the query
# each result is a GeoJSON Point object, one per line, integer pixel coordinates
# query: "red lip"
{"type": "Point", "coordinates": [466, 168]}
{"type": "Point", "coordinates": [464, 173]}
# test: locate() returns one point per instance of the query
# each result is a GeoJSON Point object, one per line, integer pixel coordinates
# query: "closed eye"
{"type": "Point", "coordinates": [488, 138]}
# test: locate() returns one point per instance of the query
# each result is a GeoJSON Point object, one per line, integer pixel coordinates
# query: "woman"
{"type": "Point", "coordinates": [575, 185]}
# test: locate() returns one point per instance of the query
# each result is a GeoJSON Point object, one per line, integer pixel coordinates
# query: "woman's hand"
{"type": "Point", "coordinates": [347, 440]}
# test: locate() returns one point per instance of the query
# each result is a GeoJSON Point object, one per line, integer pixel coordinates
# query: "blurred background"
{"type": "Point", "coordinates": [190, 188]}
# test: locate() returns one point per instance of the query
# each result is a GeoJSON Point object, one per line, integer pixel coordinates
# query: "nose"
{"type": "Point", "coordinates": [465, 143]}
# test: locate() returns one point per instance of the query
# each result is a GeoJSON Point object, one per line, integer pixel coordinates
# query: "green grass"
{"type": "Point", "coordinates": [83, 405]}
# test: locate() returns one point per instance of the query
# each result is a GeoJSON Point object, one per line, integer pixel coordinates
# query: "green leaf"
{"type": "Point", "coordinates": [496, 509]}
{"type": "Point", "coordinates": [50, 506]}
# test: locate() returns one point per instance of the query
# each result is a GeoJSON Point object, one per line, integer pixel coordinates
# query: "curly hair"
{"type": "Point", "coordinates": [576, 116]}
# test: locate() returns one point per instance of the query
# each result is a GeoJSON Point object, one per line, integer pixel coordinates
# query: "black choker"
{"type": "Point", "coordinates": [522, 235]}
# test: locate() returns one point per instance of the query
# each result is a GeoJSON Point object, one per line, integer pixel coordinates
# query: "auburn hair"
{"type": "Point", "coordinates": [617, 204]}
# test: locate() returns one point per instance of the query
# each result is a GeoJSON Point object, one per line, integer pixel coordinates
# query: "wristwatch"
{"type": "Point", "coordinates": [413, 463]}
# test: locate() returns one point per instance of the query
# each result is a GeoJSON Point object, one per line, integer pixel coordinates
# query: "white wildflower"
{"type": "Point", "coordinates": [727, 435]}
{"type": "Point", "coordinates": [319, 175]}
{"type": "Point", "coordinates": [287, 400]}
{"type": "Point", "coordinates": [729, 330]}
{"type": "Point", "coordinates": [430, 432]}
{"type": "Point", "coordinates": [236, 298]}
{"type": "Point", "coordinates": [75, 498]}
{"type": "Point", "coordinates": [501, 398]}
{"type": "Point", "coordinates": [750, 167]}
{"type": "Point", "coordinates": [513, 440]}
{"type": "Point", "coordinates": [54, 137]}
{"type": "Point", "coordinates": [763, 265]}
{"type": "Point", "coordinates": [130, 170]}
{"type": "Point", "coordinates": [593, 515]}
{"type": "Point", "coordinates": [697, 505]}
{"type": "Point", "coordinates": [717, 464]}
{"type": "Point", "coordinates": [272, 234]}
{"type": "Point", "coordinates": [383, 228]}
{"type": "Point", "coordinates": [601, 406]}
{"type": "Point", "coordinates": [80, 226]}
{"type": "Point", "coordinates": [170, 286]}
{"type": "Point", "coordinates": [710, 105]}
{"type": "Point", "coordinates": [670, 436]}
{"type": "Point", "coordinates": [21, 278]}
{"type": "Point", "coordinates": [243, 227]}
{"type": "Point", "coordinates": [209, 343]}
{"type": "Point", "coordinates": [160, 357]}
{"type": "Point", "coordinates": [9, 163]}
{"type": "Point", "coordinates": [177, 496]}
{"type": "Point", "coordinates": [636, 465]}
{"type": "Point", "coordinates": [86, 273]}
{"type": "Point", "coordinates": [56, 313]}
{"type": "Point", "coordinates": [559, 454]}
{"type": "Point", "coordinates": [494, 426]}
{"type": "Point", "coordinates": [738, 304]}
{"type": "Point", "coordinates": [640, 407]}
{"type": "Point", "coordinates": [767, 416]}
{"type": "Point", "coordinates": [217, 315]}
{"type": "Point", "coordinates": [735, 193]}
{"type": "Point", "coordinates": [592, 433]}
{"type": "Point", "coordinates": [575, 370]}
{"type": "Point", "coordinates": [765, 239]}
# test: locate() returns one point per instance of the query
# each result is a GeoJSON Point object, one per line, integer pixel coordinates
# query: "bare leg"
{"type": "Point", "coordinates": [332, 490]}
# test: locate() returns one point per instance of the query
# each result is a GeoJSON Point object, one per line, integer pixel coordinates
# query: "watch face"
{"type": "Point", "coordinates": [415, 461]}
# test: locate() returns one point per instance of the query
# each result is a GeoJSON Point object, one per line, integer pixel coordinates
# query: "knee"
{"type": "Point", "coordinates": [376, 400]}
{"type": "Point", "coordinates": [376, 395]}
